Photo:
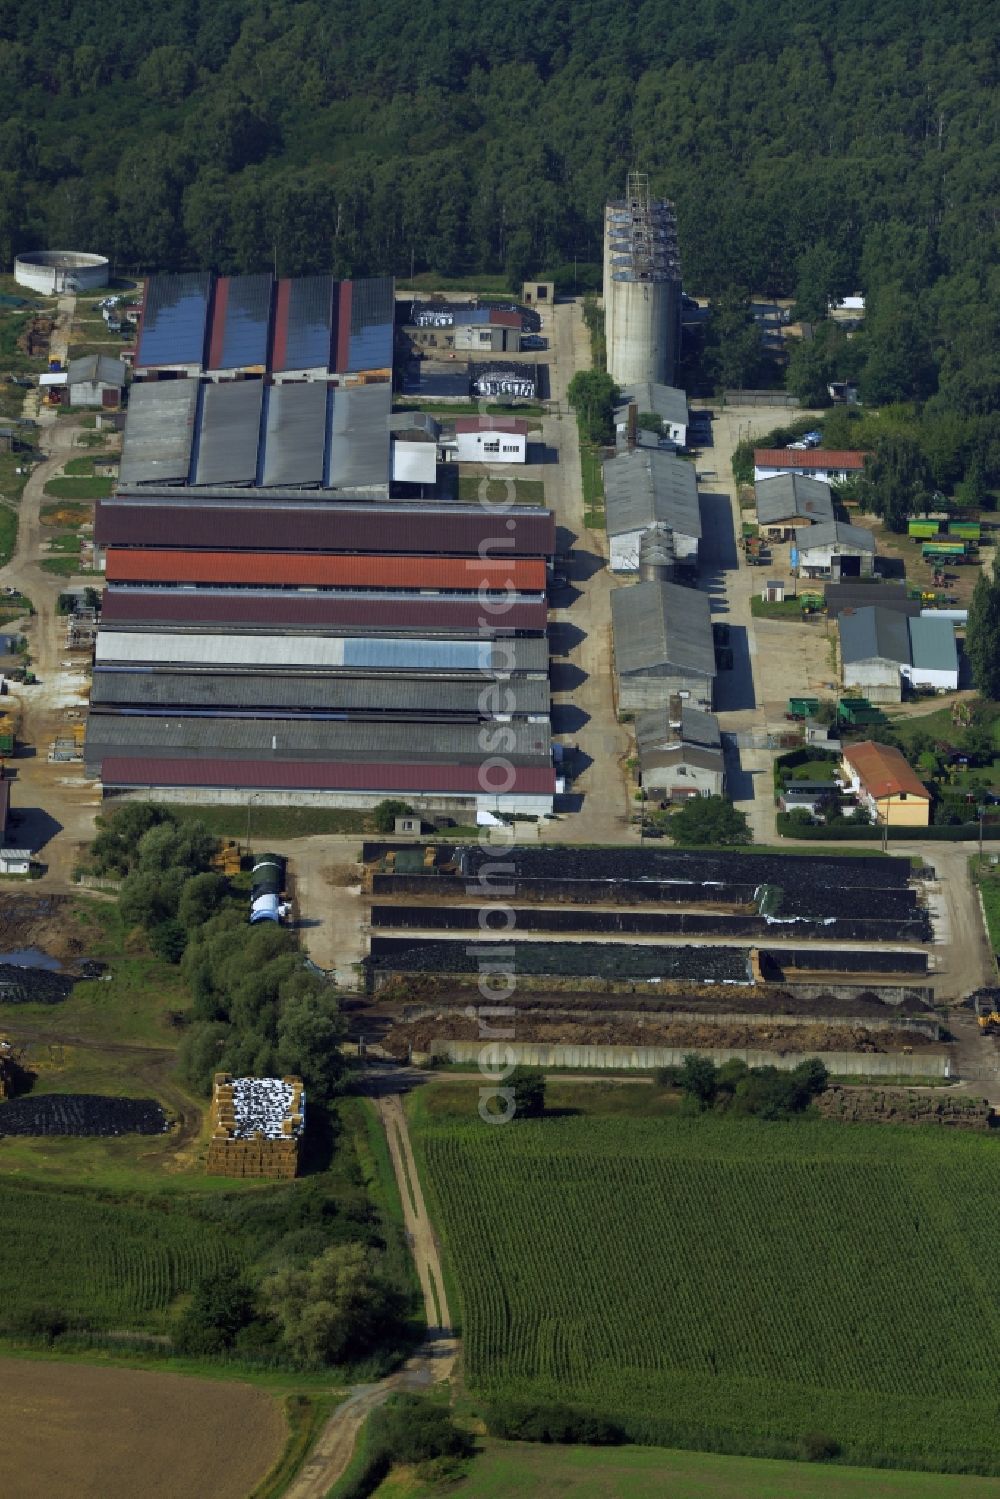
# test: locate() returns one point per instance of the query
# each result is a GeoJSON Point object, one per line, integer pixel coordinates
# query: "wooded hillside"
{"type": "Point", "coordinates": [811, 148]}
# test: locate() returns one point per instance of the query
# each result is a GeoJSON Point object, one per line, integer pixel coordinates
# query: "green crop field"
{"type": "Point", "coordinates": [537, 1472]}
{"type": "Point", "coordinates": [113, 1264]}
{"type": "Point", "coordinates": [731, 1285]}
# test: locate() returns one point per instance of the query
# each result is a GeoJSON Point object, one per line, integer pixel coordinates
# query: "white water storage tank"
{"type": "Point", "coordinates": [55, 271]}
{"type": "Point", "coordinates": [642, 287]}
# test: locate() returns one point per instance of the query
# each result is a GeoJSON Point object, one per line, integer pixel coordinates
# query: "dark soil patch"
{"type": "Point", "coordinates": [81, 1114]}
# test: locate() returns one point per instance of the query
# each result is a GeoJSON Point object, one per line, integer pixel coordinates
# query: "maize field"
{"type": "Point", "coordinates": [732, 1285]}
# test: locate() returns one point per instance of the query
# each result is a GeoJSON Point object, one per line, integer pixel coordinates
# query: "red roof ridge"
{"type": "Point", "coordinates": [884, 771]}
{"type": "Point", "coordinates": [808, 458]}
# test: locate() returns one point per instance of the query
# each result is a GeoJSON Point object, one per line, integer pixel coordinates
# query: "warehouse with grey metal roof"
{"type": "Point", "coordinates": [357, 696]}
{"type": "Point", "coordinates": [308, 739]}
{"type": "Point", "coordinates": [663, 647]}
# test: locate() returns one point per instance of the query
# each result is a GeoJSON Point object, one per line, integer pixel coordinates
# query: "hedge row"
{"type": "Point", "coordinates": [835, 833]}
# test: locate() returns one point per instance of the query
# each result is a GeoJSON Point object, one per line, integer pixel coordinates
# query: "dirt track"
{"type": "Point", "coordinates": [435, 1360]}
{"type": "Point", "coordinates": [75, 1430]}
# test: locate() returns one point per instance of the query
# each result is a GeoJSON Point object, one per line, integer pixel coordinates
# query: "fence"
{"type": "Point", "coordinates": [495, 1056]}
{"type": "Point", "coordinates": [758, 398]}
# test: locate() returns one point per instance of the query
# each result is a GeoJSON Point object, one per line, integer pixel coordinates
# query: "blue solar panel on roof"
{"type": "Point", "coordinates": [248, 318]}
{"type": "Point", "coordinates": [430, 655]}
{"type": "Point", "coordinates": [173, 320]}
{"type": "Point", "coordinates": [370, 346]}
{"type": "Point", "coordinates": [307, 344]}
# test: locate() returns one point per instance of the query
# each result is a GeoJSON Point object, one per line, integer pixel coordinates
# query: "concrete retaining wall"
{"type": "Point", "coordinates": [890, 994]}
{"type": "Point", "coordinates": [493, 1055]}
{"type": "Point", "coordinates": [930, 1028]}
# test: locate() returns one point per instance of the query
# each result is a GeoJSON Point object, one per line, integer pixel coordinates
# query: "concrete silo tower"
{"type": "Point", "coordinates": [642, 286]}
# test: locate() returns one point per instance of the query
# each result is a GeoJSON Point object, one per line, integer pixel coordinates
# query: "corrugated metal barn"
{"type": "Point", "coordinates": [371, 613]}
{"type": "Point", "coordinates": [297, 526]}
{"type": "Point", "coordinates": [360, 654]}
{"type": "Point", "coordinates": [256, 694]}
{"type": "Point", "coordinates": [302, 570]}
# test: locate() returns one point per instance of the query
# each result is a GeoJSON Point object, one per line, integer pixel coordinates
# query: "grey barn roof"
{"type": "Point", "coordinates": [96, 369]}
{"type": "Point", "coordinates": [219, 436]}
{"type": "Point", "coordinates": [792, 497]}
{"type": "Point", "coordinates": [228, 432]}
{"type": "Point", "coordinates": [653, 730]}
{"type": "Point", "coordinates": [873, 634]}
{"type": "Point", "coordinates": [294, 433]}
{"type": "Point", "coordinates": [309, 739]}
{"type": "Point", "coordinates": [301, 694]}
{"type": "Point", "coordinates": [858, 595]}
{"type": "Point", "coordinates": [358, 455]}
{"type": "Point", "coordinates": [646, 487]}
{"type": "Point", "coordinates": [362, 655]}
{"type": "Point", "coordinates": [417, 422]}
{"type": "Point", "coordinates": [159, 432]}
{"type": "Point", "coordinates": [662, 626]}
{"type": "Point", "coordinates": [665, 401]}
{"type": "Point", "coordinates": [932, 644]}
{"type": "Point", "coordinates": [837, 533]}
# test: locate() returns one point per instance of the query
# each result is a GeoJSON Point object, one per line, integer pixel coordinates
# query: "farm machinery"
{"type": "Point", "coordinates": [986, 1003]}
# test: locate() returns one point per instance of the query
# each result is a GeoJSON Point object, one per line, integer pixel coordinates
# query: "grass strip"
{"type": "Point", "coordinates": [305, 1415]}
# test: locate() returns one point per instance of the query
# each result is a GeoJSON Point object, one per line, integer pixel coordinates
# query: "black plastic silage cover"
{"type": "Point", "coordinates": [696, 867]}
{"type": "Point", "coordinates": [655, 923]}
{"type": "Point", "coordinates": [598, 960]}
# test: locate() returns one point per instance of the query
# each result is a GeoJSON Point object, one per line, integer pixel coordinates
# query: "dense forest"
{"type": "Point", "coordinates": [812, 147]}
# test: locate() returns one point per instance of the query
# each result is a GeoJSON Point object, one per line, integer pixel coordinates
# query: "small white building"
{"type": "Point", "coordinates": [414, 436]}
{"type": "Point", "coordinates": [812, 463]}
{"type": "Point", "coordinates": [933, 655]}
{"type": "Point", "coordinates": [491, 439]}
{"type": "Point", "coordinates": [678, 762]}
{"type": "Point", "coordinates": [663, 401]}
{"type": "Point", "coordinates": [15, 860]}
{"type": "Point", "coordinates": [96, 380]}
{"type": "Point", "coordinates": [835, 550]}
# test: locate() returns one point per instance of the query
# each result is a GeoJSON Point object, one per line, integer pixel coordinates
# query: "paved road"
{"type": "Point", "coordinates": [580, 633]}
{"type": "Point", "coordinates": [435, 1359]}
{"type": "Point", "coordinates": [54, 804]}
{"type": "Point", "coordinates": [730, 582]}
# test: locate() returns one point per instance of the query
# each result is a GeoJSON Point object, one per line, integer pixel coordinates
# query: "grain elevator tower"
{"type": "Point", "coordinates": [642, 286]}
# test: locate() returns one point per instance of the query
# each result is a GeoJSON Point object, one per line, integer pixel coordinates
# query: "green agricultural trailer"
{"type": "Point", "coordinates": [858, 711]}
{"type": "Point", "coordinates": [947, 551]}
{"type": "Point", "coordinates": [923, 530]}
{"type": "Point", "coordinates": [802, 707]}
{"type": "Point", "coordinates": [967, 530]}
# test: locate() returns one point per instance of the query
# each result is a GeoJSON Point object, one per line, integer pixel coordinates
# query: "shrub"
{"type": "Point", "coordinates": [386, 812]}
{"type": "Point", "coordinates": [564, 1424]}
